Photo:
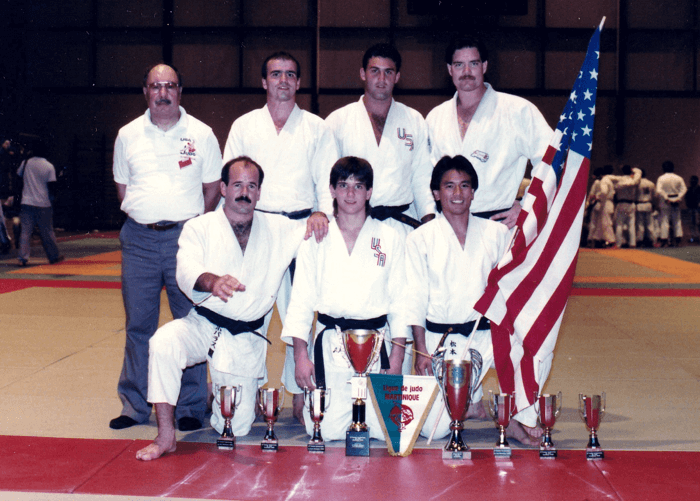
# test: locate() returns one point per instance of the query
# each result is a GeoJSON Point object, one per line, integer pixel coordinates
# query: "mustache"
{"type": "Point", "coordinates": [243, 198]}
{"type": "Point", "coordinates": [466, 77]}
{"type": "Point", "coordinates": [164, 100]}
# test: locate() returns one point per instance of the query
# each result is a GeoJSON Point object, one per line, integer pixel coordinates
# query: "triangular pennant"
{"type": "Point", "coordinates": [402, 404]}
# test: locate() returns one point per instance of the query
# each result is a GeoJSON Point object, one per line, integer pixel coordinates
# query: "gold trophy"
{"type": "Point", "coordinates": [230, 399]}
{"type": "Point", "coordinates": [317, 401]}
{"type": "Point", "coordinates": [501, 408]}
{"type": "Point", "coordinates": [270, 404]}
{"type": "Point", "coordinates": [592, 409]}
{"type": "Point", "coordinates": [362, 349]}
{"type": "Point", "coordinates": [456, 379]}
{"type": "Point", "coordinates": [548, 412]}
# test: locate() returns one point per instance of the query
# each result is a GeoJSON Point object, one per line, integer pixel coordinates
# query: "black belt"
{"type": "Point", "coordinates": [487, 214]}
{"type": "Point", "coordinates": [625, 201]}
{"type": "Point", "coordinates": [463, 329]}
{"type": "Point", "coordinates": [383, 212]}
{"type": "Point", "coordinates": [235, 327]}
{"type": "Point", "coordinates": [160, 225]}
{"type": "Point", "coordinates": [297, 214]}
{"type": "Point", "coordinates": [344, 324]}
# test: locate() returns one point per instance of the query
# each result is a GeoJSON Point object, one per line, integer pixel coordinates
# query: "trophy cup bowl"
{"type": "Point", "coordinates": [549, 409]}
{"type": "Point", "coordinates": [592, 409]}
{"type": "Point", "coordinates": [230, 399]}
{"type": "Point", "coordinates": [270, 404]}
{"type": "Point", "coordinates": [317, 401]}
{"type": "Point", "coordinates": [455, 381]}
{"type": "Point", "coordinates": [362, 349]}
{"type": "Point", "coordinates": [501, 408]}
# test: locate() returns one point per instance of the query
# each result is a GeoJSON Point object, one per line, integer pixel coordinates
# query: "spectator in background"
{"type": "Point", "coordinates": [39, 178]}
{"type": "Point", "coordinates": [671, 189]}
{"type": "Point", "coordinates": [692, 199]}
{"type": "Point", "coordinates": [646, 231]}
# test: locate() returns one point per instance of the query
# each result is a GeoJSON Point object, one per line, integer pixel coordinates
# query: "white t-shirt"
{"type": "Point", "coordinates": [36, 173]}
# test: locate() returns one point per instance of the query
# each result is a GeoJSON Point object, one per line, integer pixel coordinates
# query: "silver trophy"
{"type": "Point", "coordinates": [501, 409]}
{"type": "Point", "coordinates": [317, 401]}
{"type": "Point", "coordinates": [592, 409]}
{"type": "Point", "coordinates": [270, 402]}
{"type": "Point", "coordinates": [230, 399]}
{"type": "Point", "coordinates": [457, 380]}
{"type": "Point", "coordinates": [548, 408]}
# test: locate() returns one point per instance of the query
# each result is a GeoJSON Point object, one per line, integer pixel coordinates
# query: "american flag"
{"type": "Point", "coordinates": [527, 292]}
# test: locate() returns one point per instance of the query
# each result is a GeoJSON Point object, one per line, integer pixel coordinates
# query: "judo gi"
{"type": "Point", "coordinates": [505, 132]}
{"type": "Point", "coordinates": [366, 284]}
{"type": "Point", "coordinates": [208, 244]}
{"type": "Point", "coordinates": [671, 189]}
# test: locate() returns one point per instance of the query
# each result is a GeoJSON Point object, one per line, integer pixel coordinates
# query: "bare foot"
{"type": "Point", "coordinates": [477, 411]}
{"type": "Point", "coordinates": [524, 434]}
{"type": "Point", "coordinates": [298, 407]}
{"type": "Point", "coordinates": [156, 449]}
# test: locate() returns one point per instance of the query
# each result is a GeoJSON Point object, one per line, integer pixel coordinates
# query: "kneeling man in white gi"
{"type": "Point", "coordinates": [354, 279]}
{"type": "Point", "coordinates": [231, 251]}
{"type": "Point", "coordinates": [448, 261]}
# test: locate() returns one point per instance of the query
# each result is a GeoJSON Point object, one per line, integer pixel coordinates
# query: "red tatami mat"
{"type": "Point", "coordinates": [198, 470]}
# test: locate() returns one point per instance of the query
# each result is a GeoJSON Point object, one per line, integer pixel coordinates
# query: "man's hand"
{"type": "Point", "coordinates": [398, 349]}
{"type": "Point", "coordinates": [304, 370]}
{"type": "Point", "coordinates": [423, 365]}
{"type": "Point", "coordinates": [318, 225]}
{"type": "Point", "coordinates": [224, 287]}
{"type": "Point", "coordinates": [509, 217]}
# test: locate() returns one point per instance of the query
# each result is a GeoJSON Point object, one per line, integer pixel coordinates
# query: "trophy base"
{"type": "Point", "coordinates": [269, 446]}
{"type": "Point", "coordinates": [458, 455]}
{"type": "Point", "coordinates": [357, 443]}
{"type": "Point", "coordinates": [316, 447]}
{"type": "Point", "coordinates": [226, 444]}
{"type": "Point", "coordinates": [502, 452]}
{"type": "Point", "coordinates": [594, 454]}
{"type": "Point", "coordinates": [548, 453]}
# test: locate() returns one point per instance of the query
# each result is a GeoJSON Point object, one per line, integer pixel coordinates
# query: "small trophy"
{"type": "Point", "coordinates": [592, 409]}
{"type": "Point", "coordinates": [456, 379]}
{"type": "Point", "coordinates": [501, 408]}
{"type": "Point", "coordinates": [362, 349]}
{"type": "Point", "coordinates": [549, 409]}
{"type": "Point", "coordinates": [270, 404]}
{"type": "Point", "coordinates": [230, 399]}
{"type": "Point", "coordinates": [317, 402]}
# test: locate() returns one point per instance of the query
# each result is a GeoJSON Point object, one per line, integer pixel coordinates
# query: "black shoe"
{"type": "Point", "coordinates": [22, 262]}
{"type": "Point", "coordinates": [58, 260]}
{"type": "Point", "coordinates": [122, 422]}
{"type": "Point", "coordinates": [188, 424]}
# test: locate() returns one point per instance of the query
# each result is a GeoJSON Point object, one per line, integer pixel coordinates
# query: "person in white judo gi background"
{"type": "Point", "coordinates": [497, 132]}
{"type": "Point", "coordinates": [354, 279]}
{"type": "Point", "coordinates": [448, 261]}
{"type": "Point", "coordinates": [230, 264]}
{"type": "Point", "coordinates": [393, 138]}
{"type": "Point", "coordinates": [297, 151]}
{"type": "Point", "coordinates": [646, 231]}
{"type": "Point", "coordinates": [671, 189]}
{"type": "Point", "coordinates": [626, 206]}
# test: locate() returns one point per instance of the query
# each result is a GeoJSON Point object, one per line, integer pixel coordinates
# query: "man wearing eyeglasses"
{"type": "Point", "coordinates": [167, 168]}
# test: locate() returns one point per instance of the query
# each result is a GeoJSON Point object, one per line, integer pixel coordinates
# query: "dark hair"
{"type": "Point", "coordinates": [668, 166]}
{"type": "Point", "coordinates": [248, 161]}
{"type": "Point", "coordinates": [384, 50]}
{"type": "Point", "coordinates": [445, 164]}
{"type": "Point", "coordinates": [347, 167]}
{"type": "Point", "coordinates": [644, 172]}
{"type": "Point", "coordinates": [150, 68]}
{"type": "Point", "coordinates": [598, 172]}
{"type": "Point", "coordinates": [284, 56]}
{"type": "Point", "coordinates": [693, 179]}
{"type": "Point", "coordinates": [607, 169]}
{"type": "Point", "coordinates": [627, 170]}
{"type": "Point", "coordinates": [466, 42]}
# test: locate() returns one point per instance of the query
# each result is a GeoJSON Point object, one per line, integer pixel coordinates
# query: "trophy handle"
{"type": "Point", "coordinates": [282, 391]}
{"type": "Point", "coordinates": [511, 409]}
{"type": "Point", "coordinates": [602, 411]}
{"type": "Point", "coordinates": [327, 397]}
{"type": "Point", "coordinates": [560, 401]}
{"type": "Point", "coordinates": [477, 364]}
{"type": "Point", "coordinates": [582, 406]}
{"type": "Point", "coordinates": [492, 406]}
{"type": "Point", "coordinates": [237, 397]}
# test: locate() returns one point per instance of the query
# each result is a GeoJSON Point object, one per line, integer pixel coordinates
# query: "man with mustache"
{"type": "Point", "coordinates": [497, 132]}
{"type": "Point", "coordinates": [167, 166]}
{"type": "Point", "coordinates": [297, 151]}
{"type": "Point", "coordinates": [230, 264]}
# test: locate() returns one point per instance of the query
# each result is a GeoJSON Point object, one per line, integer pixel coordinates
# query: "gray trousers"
{"type": "Point", "coordinates": [148, 264]}
{"type": "Point", "coordinates": [42, 217]}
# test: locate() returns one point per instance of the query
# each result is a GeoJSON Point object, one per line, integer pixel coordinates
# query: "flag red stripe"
{"type": "Point", "coordinates": [522, 293]}
{"type": "Point", "coordinates": [500, 338]}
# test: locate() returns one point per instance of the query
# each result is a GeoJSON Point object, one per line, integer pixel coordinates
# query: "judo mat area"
{"type": "Point", "coordinates": [630, 330]}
